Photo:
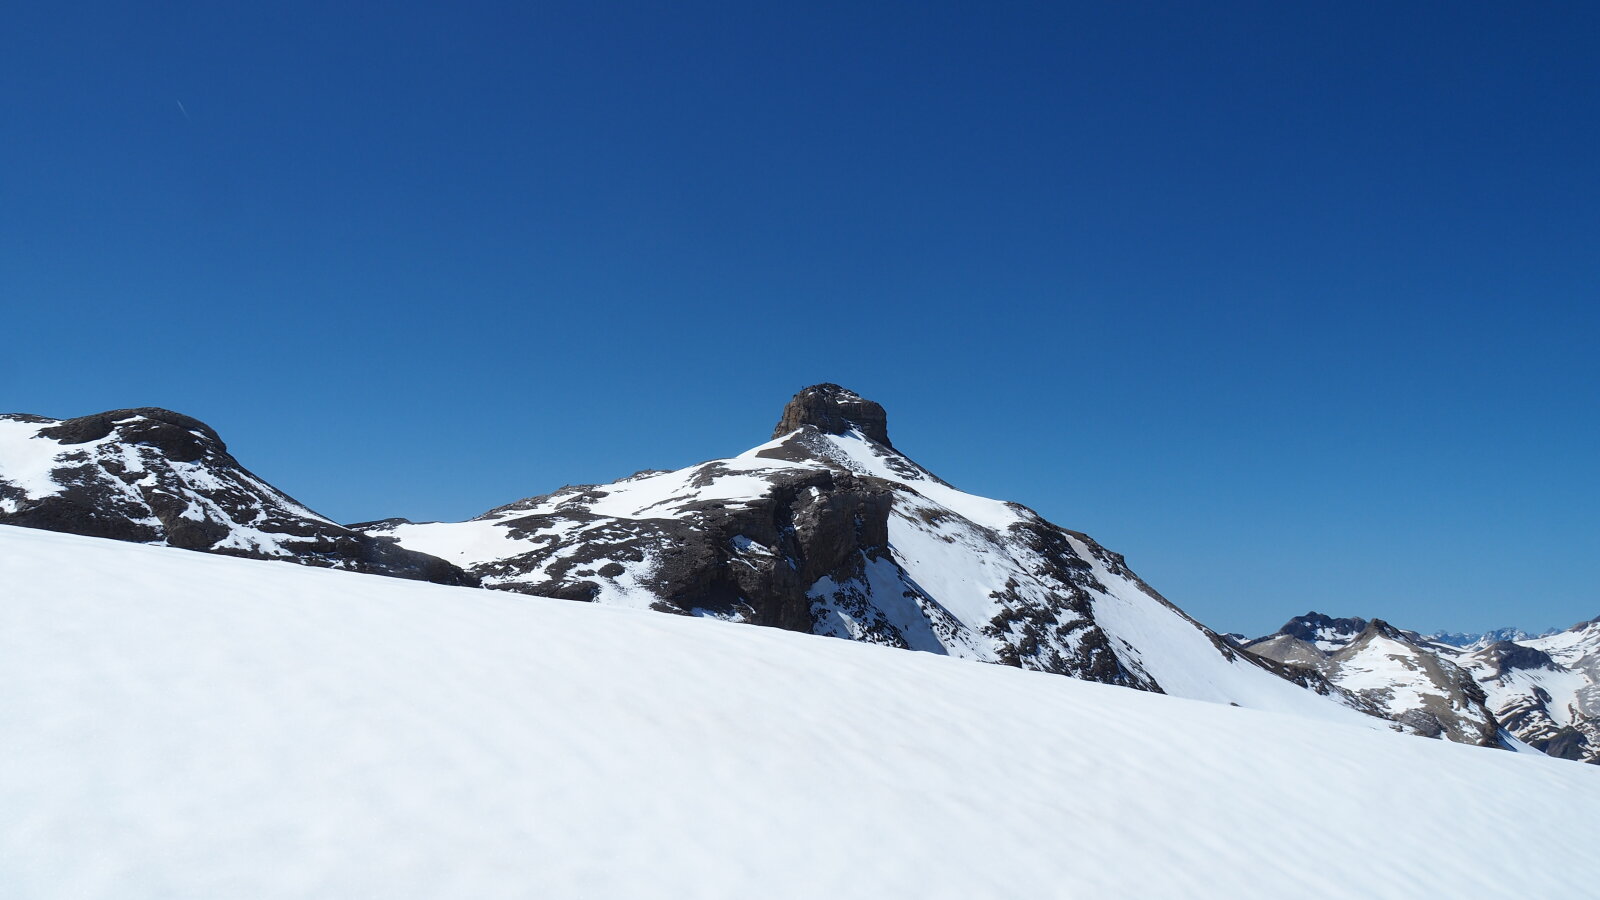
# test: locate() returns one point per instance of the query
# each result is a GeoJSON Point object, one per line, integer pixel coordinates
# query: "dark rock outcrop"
{"type": "Point", "coordinates": [832, 409]}
{"type": "Point", "coordinates": [1314, 626]}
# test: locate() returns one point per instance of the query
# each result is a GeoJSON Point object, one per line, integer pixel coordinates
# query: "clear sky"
{"type": "Point", "coordinates": [1294, 304]}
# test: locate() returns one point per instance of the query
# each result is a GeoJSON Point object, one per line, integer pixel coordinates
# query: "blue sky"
{"type": "Point", "coordinates": [1293, 304]}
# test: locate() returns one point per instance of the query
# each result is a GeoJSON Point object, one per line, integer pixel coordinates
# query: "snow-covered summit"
{"type": "Point", "coordinates": [1326, 633]}
{"type": "Point", "coordinates": [829, 529]}
{"type": "Point", "coordinates": [1395, 673]}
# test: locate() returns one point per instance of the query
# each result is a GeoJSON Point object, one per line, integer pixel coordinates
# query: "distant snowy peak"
{"type": "Point", "coordinates": [1503, 658]}
{"type": "Point", "coordinates": [154, 476]}
{"type": "Point", "coordinates": [1326, 633]}
{"type": "Point", "coordinates": [1571, 646]}
{"type": "Point", "coordinates": [828, 529]}
{"type": "Point", "coordinates": [1398, 674]}
{"type": "Point", "coordinates": [1543, 690]}
{"type": "Point", "coordinates": [1329, 634]}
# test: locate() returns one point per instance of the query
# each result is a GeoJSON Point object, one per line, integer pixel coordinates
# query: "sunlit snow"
{"type": "Point", "coordinates": [179, 725]}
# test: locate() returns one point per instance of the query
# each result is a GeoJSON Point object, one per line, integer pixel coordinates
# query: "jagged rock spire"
{"type": "Point", "coordinates": [832, 409]}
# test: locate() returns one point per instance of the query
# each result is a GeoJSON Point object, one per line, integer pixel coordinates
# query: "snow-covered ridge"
{"type": "Point", "coordinates": [828, 529]}
{"type": "Point", "coordinates": [188, 726]}
{"type": "Point", "coordinates": [154, 476]}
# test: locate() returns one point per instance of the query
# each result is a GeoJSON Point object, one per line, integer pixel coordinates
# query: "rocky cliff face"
{"type": "Point", "coordinates": [155, 476]}
{"type": "Point", "coordinates": [831, 409]}
{"type": "Point", "coordinates": [828, 529]}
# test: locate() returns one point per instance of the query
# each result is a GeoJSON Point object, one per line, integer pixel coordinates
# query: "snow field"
{"type": "Point", "coordinates": [184, 725]}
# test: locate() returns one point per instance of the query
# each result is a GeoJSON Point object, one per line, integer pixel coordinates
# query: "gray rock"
{"type": "Point", "coordinates": [832, 409]}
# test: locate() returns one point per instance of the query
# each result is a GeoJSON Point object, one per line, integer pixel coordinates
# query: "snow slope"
{"type": "Point", "coordinates": [180, 725]}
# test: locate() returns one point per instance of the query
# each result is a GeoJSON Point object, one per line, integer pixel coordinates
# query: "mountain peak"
{"type": "Point", "coordinates": [1384, 629]}
{"type": "Point", "coordinates": [1314, 626]}
{"type": "Point", "coordinates": [177, 436]}
{"type": "Point", "coordinates": [832, 409]}
{"type": "Point", "coordinates": [1508, 656]}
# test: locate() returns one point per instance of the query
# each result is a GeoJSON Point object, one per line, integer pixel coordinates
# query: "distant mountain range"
{"type": "Point", "coordinates": [1545, 689]}
{"type": "Point", "coordinates": [829, 529]}
{"type": "Point", "coordinates": [1472, 640]}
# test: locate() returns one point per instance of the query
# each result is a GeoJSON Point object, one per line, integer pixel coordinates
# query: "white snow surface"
{"type": "Point", "coordinates": [660, 494]}
{"type": "Point", "coordinates": [26, 459]}
{"type": "Point", "coordinates": [1387, 665]}
{"type": "Point", "coordinates": [1570, 647]}
{"type": "Point", "coordinates": [180, 725]}
{"type": "Point", "coordinates": [1564, 687]}
{"type": "Point", "coordinates": [462, 543]}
